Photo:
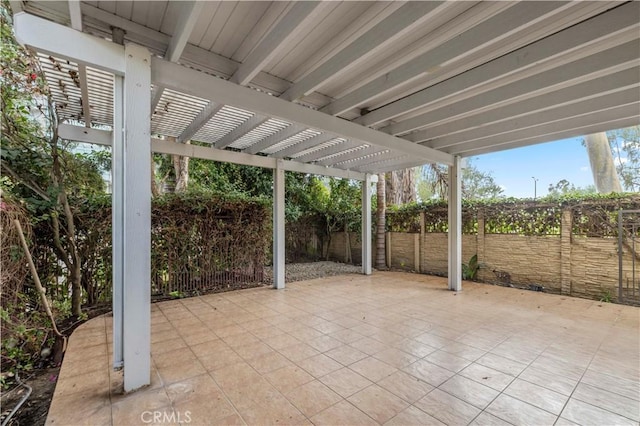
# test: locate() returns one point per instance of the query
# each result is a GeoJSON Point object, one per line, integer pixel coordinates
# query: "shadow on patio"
{"type": "Point", "coordinates": [394, 348]}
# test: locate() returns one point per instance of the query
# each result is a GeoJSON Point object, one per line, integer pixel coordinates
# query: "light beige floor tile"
{"type": "Point", "coordinates": [405, 386]}
{"type": "Point", "coordinates": [346, 355]}
{"type": "Point", "coordinates": [412, 416]}
{"type": "Point", "coordinates": [447, 408]}
{"type": "Point", "coordinates": [373, 369]}
{"type": "Point", "coordinates": [428, 372]}
{"type": "Point", "coordinates": [324, 343]}
{"type": "Point", "coordinates": [319, 365]}
{"type": "Point", "coordinates": [342, 413]}
{"type": "Point", "coordinates": [502, 364]}
{"type": "Point", "coordinates": [588, 415]}
{"type": "Point", "coordinates": [486, 419]}
{"type": "Point", "coordinates": [312, 398]}
{"type": "Point", "coordinates": [487, 376]}
{"type": "Point", "coordinates": [369, 346]}
{"type": "Point", "coordinates": [624, 387]}
{"type": "Point", "coordinates": [288, 378]}
{"type": "Point", "coordinates": [378, 403]}
{"type": "Point", "coordinates": [298, 352]}
{"type": "Point", "coordinates": [556, 383]}
{"type": "Point", "coordinates": [537, 395]}
{"type": "Point", "coordinates": [395, 357]}
{"type": "Point", "coordinates": [268, 362]}
{"type": "Point", "coordinates": [345, 382]}
{"type": "Point", "coordinates": [609, 401]}
{"type": "Point", "coordinates": [447, 360]}
{"type": "Point", "coordinates": [469, 391]}
{"type": "Point", "coordinates": [519, 413]}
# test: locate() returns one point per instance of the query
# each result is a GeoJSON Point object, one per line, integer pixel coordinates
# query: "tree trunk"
{"type": "Point", "coordinates": [154, 183]}
{"type": "Point", "coordinates": [604, 171]}
{"type": "Point", "coordinates": [401, 187]}
{"type": "Point", "coordinates": [181, 168]}
{"type": "Point", "coordinates": [381, 262]}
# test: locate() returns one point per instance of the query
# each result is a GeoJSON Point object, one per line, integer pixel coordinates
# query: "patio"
{"type": "Point", "coordinates": [390, 348]}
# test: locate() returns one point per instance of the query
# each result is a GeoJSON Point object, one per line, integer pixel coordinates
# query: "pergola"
{"type": "Point", "coordinates": [344, 89]}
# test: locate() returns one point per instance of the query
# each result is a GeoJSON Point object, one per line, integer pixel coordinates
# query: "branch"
{"type": "Point", "coordinates": [26, 182]}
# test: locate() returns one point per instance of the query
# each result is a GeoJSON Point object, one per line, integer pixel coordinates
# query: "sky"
{"type": "Point", "coordinates": [551, 162]}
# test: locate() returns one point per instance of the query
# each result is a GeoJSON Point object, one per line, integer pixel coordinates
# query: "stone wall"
{"type": "Point", "coordinates": [565, 264]}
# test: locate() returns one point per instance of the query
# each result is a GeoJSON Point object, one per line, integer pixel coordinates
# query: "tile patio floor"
{"type": "Point", "coordinates": [393, 348]}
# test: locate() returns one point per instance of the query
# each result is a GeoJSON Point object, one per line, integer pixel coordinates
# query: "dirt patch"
{"type": "Point", "coordinates": [34, 410]}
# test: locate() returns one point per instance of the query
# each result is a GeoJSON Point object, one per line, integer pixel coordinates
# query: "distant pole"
{"type": "Point", "coordinates": [535, 187]}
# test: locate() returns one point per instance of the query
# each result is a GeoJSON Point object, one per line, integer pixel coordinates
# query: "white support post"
{"type": "Point", "coordinates": [278, 226]}
{"type": "Point", "coordinates": [117, 217]}
{"type": "Point", "coordinates": [455, 225]}
{"type": "Point", "coordinates": [366, 225]}
{"type": "Point", "coordinates": [137, 218]}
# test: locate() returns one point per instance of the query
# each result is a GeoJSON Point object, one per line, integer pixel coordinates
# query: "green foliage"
{"type": "Point", "coordinates": [625, 147]}
{"type": "Point", "coordinates": [470, 270]}
{"type": "Point", "coordinates": [593, 214]}
{"type": "Point", "coordinates": [476, 184]}
{"type": "Point", "coordinates": [606, 296]}
{"type": "Point", "coordinates": [563, 188]}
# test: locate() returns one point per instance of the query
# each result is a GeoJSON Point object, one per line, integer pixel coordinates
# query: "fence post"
{"type": "Point", "coordinates": [416, 252]}
{"type": "Point", "coordinates": [480, 237]}
{"type": "Point", "coordinates": [421, 243]}
{"type": "Point", "coordinates": [388, 248]}
{"type": "Point", "coordinates": [566, 226]}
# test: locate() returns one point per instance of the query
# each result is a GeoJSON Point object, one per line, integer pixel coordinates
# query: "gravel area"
{"type": "Point", "coordinates": [308, 271]}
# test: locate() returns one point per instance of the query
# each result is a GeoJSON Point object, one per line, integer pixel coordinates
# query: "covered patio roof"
{"type": "Point", "coordinates": [433, 79]}
{"type": "Point", "coordinates": [345, 89]}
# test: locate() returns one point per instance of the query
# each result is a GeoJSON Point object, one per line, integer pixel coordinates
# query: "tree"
{"type": "Point", "coordinates": [602, 167]}
{"type": "Point", "coordinates": [476, 184]}
{"type": "Point", "coordinates": [37, 167]}
{"type": "Point", "coordinates": [381, 261]}
{"type": "Point", "coordinates": [625, 148]}
{"type": "Point", "coordinates": [563, 187]}
{"type": "Point", "coordinates": [401, 187]}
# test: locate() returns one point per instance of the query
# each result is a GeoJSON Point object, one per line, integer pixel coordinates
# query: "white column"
{"type": "Point", "coordinates": [455, 225]}
{"type": "Point", "coordinates": [278, 226]}
{"type": "Point", "coordinates": [117, 218]}
{"type": "Point", "coordinates": [137, 218]}
{"type": "Point", "coordinates": [366, 225]}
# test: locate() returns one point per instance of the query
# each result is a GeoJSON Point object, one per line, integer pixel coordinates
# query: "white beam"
{"type": "Point", "coordinates": [271, 140]}
{"type": "Point", "coordinates": [330, 150]}
{"type": "Point", "coordinates": [250, 124]}
{"type": "Point", "coordinates": [366, 225]}
{"type": "Point", "coordinates": [196, 83]}
{"type": "Point", "coordinates": [604, 26]}
{"type": "Point", "coordinates": [116, 139]}
{"type": "Point", "coordinates": [498, 27]}
{"type": "Point", "coordinates": [82, 134]}
{"type": "Point", "coordinates": [563, 112]}
{"type": "Point", "coordinates": [103, 137]}
{"type": "Point", "coordinates": [536, 132]}
{"type": "Point", "coordinates": [48, 37]}
{"type": "Point", "coordinates": [594, 66]}
{"type": "Point", "coordinates": [200, 121]}
{"type": "Point", "coordinates": [374, 157]}
{"type": "Point", "coordinates": [75, 14]}
{"type": "Point", "coordinates": [569, 95]}
{"type": "Point", "coordinates": [599, 126]}
{"type": "Point", "coordinates": [397, 25]}
{"type": "Point", "coordinates": [390, 166]}
{"type": "Point", "coordinates": [455, 226]}
{"type": "Point", "coordinates": [137, 219]}
{"type": "Point", "coordinates": [187, 18]}
{"type": "Point", "coordinates": [355, 157]}
{"type": "Point", "coordinates": [278, 227]}
{"type": "Point", "coordinates": [286, 30]}
{"type": "Point", "coordinates": [303, 146]}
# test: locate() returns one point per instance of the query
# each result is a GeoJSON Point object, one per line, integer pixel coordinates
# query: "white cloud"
{"type": "Point", "coordinates": [584, 168]}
